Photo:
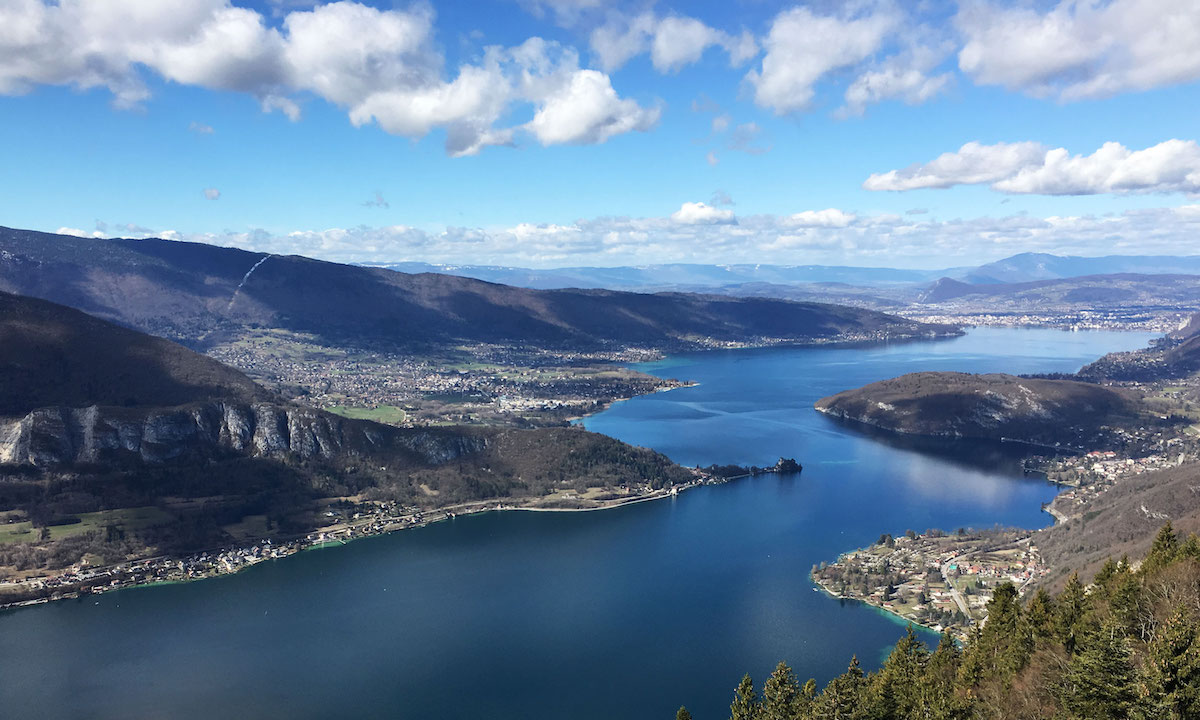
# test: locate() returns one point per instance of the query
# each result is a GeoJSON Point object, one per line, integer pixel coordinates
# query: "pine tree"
{"type": "Point", "coordinates": [1171, 673]}
{"type": "Point", "coordinates": [1072, 613]}
{"type": "Point", "coordinates": [745, 701]}
{"type": "Point", "coordinates": [1190, 547]}
{"type": "Point", "coordinates": [1162, 551]}
{"type": "Point", "coordinates": [1105, 574]}
{"type": "Point", "coordinates": [937, 699]}
{"type": "Point", "coordinates": [842, 697]}
{"type": "Point", "coordinates": [781, 695]}
{"type": "Point", "coordinates": [1099, 682]}
{"type": "Point", "coordinates": [896, 689]}
{"type": "Point", "coordinates": [1041, 613]}
{"type": "Point", "coordinates": [1124, 597]}
{"type": "Point", "coordinates": [1004, 644]}
{"type": "Point", "coordinates": [682, 714]}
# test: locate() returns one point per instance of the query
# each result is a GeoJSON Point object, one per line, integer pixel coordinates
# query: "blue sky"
{"type": "Point", "coordinates": [582, 132]}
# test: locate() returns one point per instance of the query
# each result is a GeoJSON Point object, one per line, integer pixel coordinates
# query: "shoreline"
{"type": "Point", "coordinates": [820, 587]}
{"type": "Point", "coordinates": [321, 539]}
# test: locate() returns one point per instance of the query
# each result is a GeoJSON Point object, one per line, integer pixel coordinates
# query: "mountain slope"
{"type": "Point", "coordinates": [992, 406]}
{"type": "Point", "coordinates": [53, 355]}
{"type": "Point", "coordinates": [98, 419]}
{"type": "Point", "coordinates": [1123, 521]}
{"type": "Point", "coordinates": [199, 293]}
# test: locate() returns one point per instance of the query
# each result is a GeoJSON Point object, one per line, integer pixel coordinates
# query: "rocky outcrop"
{"type": "Point", "coordinates": [63, 435]}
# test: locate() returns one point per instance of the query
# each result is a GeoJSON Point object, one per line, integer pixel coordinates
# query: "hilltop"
{"type": "Point", "coordinates": [202, 295]}
{"type": "Point", "coordinates": [992, 406]}
{"type": "Point", "coordinates": [54, 355]}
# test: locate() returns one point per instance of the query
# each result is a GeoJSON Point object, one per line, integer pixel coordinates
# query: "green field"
{"type": "Point", "coordinates": [126, 518]}
{"type": "Point", "coordinates": [389, 414]}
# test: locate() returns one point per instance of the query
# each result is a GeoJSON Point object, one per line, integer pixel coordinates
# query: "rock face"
{"type": "Point", "coordinates": [990, 406]}
{"type": "Point", "coordinates": [62, 435]}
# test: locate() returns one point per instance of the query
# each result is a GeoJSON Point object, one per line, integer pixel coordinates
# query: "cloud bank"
{"type": "Point", "coordinates": [701, 233]}
{"type": "Point", "coordinates": [1032, 168]}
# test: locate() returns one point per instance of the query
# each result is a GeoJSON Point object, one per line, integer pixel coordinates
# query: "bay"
{"type": "Point", "coordinates": [618, 614]}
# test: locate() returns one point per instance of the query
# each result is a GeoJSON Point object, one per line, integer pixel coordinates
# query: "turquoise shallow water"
{"type": "Point", "coordinates": [620, 614]}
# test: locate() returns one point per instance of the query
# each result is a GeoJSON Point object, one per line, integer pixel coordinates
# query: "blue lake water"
{"type": "Point", "coordinates": [618, 614]}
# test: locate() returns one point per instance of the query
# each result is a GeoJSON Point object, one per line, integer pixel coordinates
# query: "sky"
{"type": "Point", "coordinates": [551, 133]}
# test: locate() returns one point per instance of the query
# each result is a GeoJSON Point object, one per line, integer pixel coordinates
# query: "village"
{"type": "Point", "coordinates": [477, 384]}
{"type": "Point", "coordinates": [1157, 320]}
{"type": "Point", "coordinates": [938, 580]}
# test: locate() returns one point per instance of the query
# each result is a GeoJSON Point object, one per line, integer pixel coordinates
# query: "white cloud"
{"type": "Point", "coordinates": [673, 41]}
{"type": "Point", "coordinates": [1028, 167]}
{"type": "Point", "coordinates": [212, 193]}
{"type": "Point", "coordinates": [829, 217]}
{"type": "Point", "coordinates": [1081, 49]}
{"type": "Point", "coordinates": [907, 77]}
{"type": "Point", "coordinates": [1171, 166]}
{"type": "Point", "coordinates": [200, 128]}
{"type": "Point", "coordinates": [382, 66]}
{"type": "Point", "coordinates": [588, 110]}
{"type": "Point", "coordinates": [698, 213]}
{"type": "Point", "coordinates": [802, 47]}
{"type": "Point", "coordinates": [973, 163]}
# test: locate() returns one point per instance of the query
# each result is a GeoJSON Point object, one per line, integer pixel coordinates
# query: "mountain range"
{"type": "Point", "coordinates": [201, 294]}
{"type": "Point", "coordinates": [1025, 267]}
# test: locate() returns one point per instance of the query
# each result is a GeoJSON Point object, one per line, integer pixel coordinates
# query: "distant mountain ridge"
{"type": "Point", "coordinates": [674, 275]}
{"type": "Point", "coordinates": [1024, 267]}
{"type": "Point", "coordinates": [1128, 288]}
{"type": "Point", "coordinates": [201, 294]}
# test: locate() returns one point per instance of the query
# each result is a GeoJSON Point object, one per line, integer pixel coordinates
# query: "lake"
{"type": "Point", "coordinates": [626, 613]}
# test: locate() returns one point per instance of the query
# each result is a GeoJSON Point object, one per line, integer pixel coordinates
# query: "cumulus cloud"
{"type": "Point", "coordinates": [212, 193]}
{"type": "Point", "coordinates": [1080, 50]}
{"type": "Point", "coordinates": [802, 47]}
{"type": "Point", "coordinates": [587, 110]}
{"type": "Point", "coordinates": [698, 213]}
{"type": "Point", "coordinates": [907, 77]}
{"type": "Point", "coordinates": [1028, 167]}
{"type": "Point", "coordinates": [973, 163]}
{"type": "Point", "coordinates": [381, 66]}
{"type": "Point", "coordinates": [829, 217]}
{"type": "Point", "coordinates": [673, 41]}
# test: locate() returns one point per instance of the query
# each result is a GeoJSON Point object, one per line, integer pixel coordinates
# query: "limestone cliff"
{"type": "Point", "coordinates": [63, 435]}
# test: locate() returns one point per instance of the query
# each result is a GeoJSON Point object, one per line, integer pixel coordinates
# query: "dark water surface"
{"type": "Point", "coordinates": [618, 614]}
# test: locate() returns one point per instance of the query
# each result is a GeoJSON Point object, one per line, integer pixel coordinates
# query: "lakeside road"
{"type": "Point", "coordinates": [959, 600]}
